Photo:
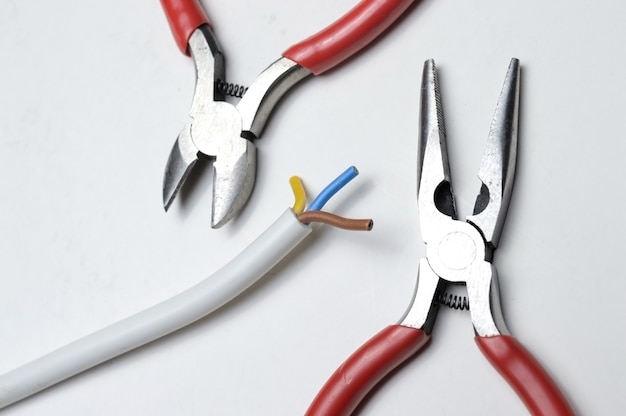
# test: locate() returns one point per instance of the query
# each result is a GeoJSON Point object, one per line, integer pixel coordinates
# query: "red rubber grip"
{"type": "Point", "coordinates": [343, 38]}
{"type": "Point", "coordinates": [530, 381]}
{"type": "Point", "coordinates": [184, 16]}
{"type": "Point", "coordinates": [351, 382]}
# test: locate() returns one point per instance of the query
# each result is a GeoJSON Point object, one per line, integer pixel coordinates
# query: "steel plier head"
{"type": "Point", "coordinates": [457, 252]}
{"type": "Point", "coordinates": [225, 132]}
{"type": "Point", "coordinates": [222, 131]}
{"type": "Point", "coordinates": [461, 251]}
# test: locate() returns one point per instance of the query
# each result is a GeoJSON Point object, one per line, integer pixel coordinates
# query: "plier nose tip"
{"type": "Point", "coordinates": [234, 175]}
{"type": "Point", "coordinates": [180, 163]}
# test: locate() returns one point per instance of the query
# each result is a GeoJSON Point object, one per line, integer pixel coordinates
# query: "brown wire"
{"type": "Point", "coordinates": [336, 221]}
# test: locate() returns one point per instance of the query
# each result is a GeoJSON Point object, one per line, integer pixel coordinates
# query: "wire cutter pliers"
{"type": "Point", "coordinates": [225, 132]}
{"type": "Point", "coordinates": [457, 252]}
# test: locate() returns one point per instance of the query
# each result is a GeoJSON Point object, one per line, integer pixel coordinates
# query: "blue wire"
{"type": "Point", "coordinates": [332, 188]}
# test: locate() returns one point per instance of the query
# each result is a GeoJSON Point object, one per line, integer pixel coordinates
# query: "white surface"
{"type": "Point", "coordinates": [162, 319]}
{"type": "Point", "coordinates": [92, 96]}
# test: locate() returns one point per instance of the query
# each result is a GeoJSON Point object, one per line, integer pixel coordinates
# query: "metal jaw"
{"type": "Point", "coordinates": [461, 251]}
{"type": "Point", "coordinates": [497, 168]}
{"type": "Point", "coordinates": [224, 132]}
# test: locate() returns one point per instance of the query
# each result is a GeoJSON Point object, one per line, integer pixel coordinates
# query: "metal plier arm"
{"type": "Point", "coordinates": [457, 252]}
{"type": "Point", "coordinates": [225, 132]}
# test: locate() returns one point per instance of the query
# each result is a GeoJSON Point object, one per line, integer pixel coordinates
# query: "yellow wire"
{"type": "Point", "coordinates": [299, 193]}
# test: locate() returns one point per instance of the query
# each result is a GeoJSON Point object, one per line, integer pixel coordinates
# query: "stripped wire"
{"type": "Point", "coordinates": [332, 188]}
{"type": "Point", "coordinates": [299, 194]}
{"type": "Point", "coordinates": [336, 220]}
{"type": "Point", "coordinates": [182, 309]}
{"type": "Point", "coordinates": [314, 212]}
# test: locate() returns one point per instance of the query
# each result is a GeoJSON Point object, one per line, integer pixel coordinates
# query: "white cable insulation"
{"type": "Point", "coordinates": [166, 317]}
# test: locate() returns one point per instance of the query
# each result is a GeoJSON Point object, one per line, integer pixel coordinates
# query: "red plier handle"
{"type": "Point", "coordinates": [351, 382]}
{"type": "Point", "coordinates": [525, 375]}
{"type": "Point", "coordinates": [319, 53]}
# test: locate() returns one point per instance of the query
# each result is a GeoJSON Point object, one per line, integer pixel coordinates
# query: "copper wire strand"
{"type": "Point", "coordinates": [336, 220]}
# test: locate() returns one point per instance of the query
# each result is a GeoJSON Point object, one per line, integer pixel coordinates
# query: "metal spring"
{"type": "Point", "coordinates": [453, 301]}
{"type": "Point", "coordinates": [228, 88]}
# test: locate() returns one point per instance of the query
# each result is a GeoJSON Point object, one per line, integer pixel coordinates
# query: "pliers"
{"type": "Point", "coordinates": [457, 252]}
{"type": "Point", "coordinates": [226, 132]}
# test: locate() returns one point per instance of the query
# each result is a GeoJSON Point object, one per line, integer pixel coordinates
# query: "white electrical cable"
{"type": "Point", "coordinates": [166, 317]}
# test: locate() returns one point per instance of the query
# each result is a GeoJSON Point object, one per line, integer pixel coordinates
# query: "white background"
{"type": "Point", "coordinates": [92, 96]}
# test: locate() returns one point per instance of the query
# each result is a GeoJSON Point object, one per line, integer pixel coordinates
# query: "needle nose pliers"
{"type": "Point", "coordinates": [457, 252]}
{"type": "Point", "coordinates": [225, 132]}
